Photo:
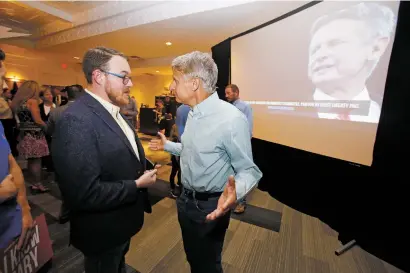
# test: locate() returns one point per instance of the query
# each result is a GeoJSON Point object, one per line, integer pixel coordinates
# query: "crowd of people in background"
{"type": "Point", "coordinates": [25, 117]}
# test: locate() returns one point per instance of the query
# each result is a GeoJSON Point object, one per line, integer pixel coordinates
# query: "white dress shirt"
{"type": "Point", "coordinates": [115, 113]}
{"type": "Point", "coordinates": [374, 110]}
{"type": "Point", "coordinates": [47, 109]}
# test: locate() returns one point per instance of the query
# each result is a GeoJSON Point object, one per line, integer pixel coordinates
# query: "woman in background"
{"type": "Point", "coordinates": [45, 108]}
{"type": "Point", "coordinates": [33, 145]}
{"type": "Point", "coordinates": [47, 105]}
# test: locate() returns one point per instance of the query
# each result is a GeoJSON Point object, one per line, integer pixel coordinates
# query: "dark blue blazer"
{"type": "Point", "coordinates": [97, 169]}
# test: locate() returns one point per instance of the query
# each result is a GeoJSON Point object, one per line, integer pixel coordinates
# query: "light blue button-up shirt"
{"type": "Point", "coordinates": [246, 109]}
{"type": "Point", "coordinates": [216, 144]}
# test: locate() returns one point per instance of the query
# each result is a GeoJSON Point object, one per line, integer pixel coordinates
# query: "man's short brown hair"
{"type": "Point", "coordinates": [98, 58]}
{"type": "Point", "coordinates": [234, 88]}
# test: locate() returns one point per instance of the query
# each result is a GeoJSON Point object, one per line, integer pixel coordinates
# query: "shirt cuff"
{"type": "Point", "coordinates": [167, 146]}
{"type": "Point", "coordinates": [240, 190]}
{"type": "Point", "coordinates": [172, 147]}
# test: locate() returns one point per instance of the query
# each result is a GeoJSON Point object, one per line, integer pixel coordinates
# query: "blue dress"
{"type": "Point", "coordinates": [10, 210]}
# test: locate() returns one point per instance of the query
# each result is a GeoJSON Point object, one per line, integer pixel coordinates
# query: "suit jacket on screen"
{"type": "Point", "coordinates": [98, 168]}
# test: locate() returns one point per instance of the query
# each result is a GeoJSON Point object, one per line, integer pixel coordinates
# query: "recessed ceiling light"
{"type": "Point", "coordinates": [77, 58]}
{"type": "Point", "coordinates": [157, 71]}
{"type": "Point", "coordinates": [168, 43]}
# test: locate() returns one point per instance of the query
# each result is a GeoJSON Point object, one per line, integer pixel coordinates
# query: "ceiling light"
{"type": "Point", "coordinates": [77, 58]}
{"type": "Point", "coordinates": [157, 71]}
{"type": "Point", "coordinates": [168, 43]}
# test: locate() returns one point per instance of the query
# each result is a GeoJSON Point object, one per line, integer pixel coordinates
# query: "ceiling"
{"type": "Point", "coordinates": [139, 28]}
{"type": "Point", "coordinates": [74, 7]}
{"type": "Point", "coordinates": [22, 18]}
{"type": "Point", "coordinates": [192, 32]}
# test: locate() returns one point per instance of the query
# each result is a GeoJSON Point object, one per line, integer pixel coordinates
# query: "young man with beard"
{"type": "Point", "coordinates": [101, 165]}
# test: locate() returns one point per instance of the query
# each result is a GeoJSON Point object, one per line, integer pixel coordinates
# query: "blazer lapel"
{"type": "Point", "coordinates": [141, 152]}
{"type": "Point", "coordinates": [100, 111]}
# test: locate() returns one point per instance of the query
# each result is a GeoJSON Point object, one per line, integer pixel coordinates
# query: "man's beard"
{"type": "Point", "coordinates": [117, 98]}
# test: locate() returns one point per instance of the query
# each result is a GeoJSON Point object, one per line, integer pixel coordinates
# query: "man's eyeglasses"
{"type": "Point", "coordinates": [125, 79]}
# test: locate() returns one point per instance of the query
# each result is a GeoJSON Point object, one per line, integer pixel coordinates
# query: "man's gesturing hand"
{"type": "Point", "coordinates": [226, 202]}
{"type": "Point", "coordinates": [158, 144]}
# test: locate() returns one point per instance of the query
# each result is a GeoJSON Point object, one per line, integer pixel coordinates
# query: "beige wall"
{"type": "Point", "coordinates": [47, 73]}
{"type": "Point", "coordinates": [45, 68]}
{"type": "Point", "coordinates": [146, 87]}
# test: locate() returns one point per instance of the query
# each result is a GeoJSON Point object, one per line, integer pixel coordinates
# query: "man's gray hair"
{"type": "Point", "coordinates": [198, 65]}
{"type": "Point", "coordinates": [380, 19]}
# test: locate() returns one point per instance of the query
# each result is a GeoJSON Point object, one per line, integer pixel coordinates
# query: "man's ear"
{"type": "Point", "coordinates": [379, 48]}
{"type": "Point", "coordinates": [98, 77]}
{"type": "Point", "coordinates": [195, 84]}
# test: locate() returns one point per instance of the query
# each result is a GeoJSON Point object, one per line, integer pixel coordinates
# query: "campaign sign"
{"type": "Point", "coordinates": [36, 251]}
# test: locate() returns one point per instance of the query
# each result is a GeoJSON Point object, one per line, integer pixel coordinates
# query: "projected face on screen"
{"type": "Point", "coordinates": [345, 48]}
{"type": "Point", "coordinates": [339, 53]}
{"type": "Point", "coordinates": [315, 79]}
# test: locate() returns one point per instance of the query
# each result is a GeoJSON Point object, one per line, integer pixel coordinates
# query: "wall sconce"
{"type": "Point", "coordinates": [13, 79]}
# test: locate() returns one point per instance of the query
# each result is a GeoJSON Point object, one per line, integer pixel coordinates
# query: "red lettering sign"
{"type": "Point", "coordinates": [36, 252]}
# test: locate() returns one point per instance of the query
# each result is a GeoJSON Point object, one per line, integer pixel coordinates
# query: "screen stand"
{"type": "Point", "coordinates": [345, 247]}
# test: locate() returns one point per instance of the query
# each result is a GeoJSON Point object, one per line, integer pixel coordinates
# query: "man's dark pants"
{"type": "Point", "coordinates": [109, 261]}
{"type": "Point", "coordinates": [203, 241]}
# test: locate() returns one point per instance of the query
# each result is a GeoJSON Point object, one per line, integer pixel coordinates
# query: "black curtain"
{"type": "Point", "coordinates": [389, 198]}
{"type": "Point", "coordinates": [393, 136]}
{"type": "Point", "coordinates": [221, 54]}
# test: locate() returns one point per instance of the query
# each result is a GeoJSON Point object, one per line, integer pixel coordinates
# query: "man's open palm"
{"type": "Point", "coordinates": [157, 144]}
{"type": "Point", "coordinates": [226, 202]}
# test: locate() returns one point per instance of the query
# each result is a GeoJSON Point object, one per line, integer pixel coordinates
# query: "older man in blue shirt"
{"type": "Point", "coordinates": [232, 95]}
{"type": "Point", "coordinates": [216, 161]}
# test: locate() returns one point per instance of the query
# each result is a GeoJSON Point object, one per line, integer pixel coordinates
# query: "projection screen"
{"type": "Point", "coordinates": [316, 79]}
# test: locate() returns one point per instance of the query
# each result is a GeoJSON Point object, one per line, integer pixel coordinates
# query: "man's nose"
{"type": "Point", "coordinates": [322, 53]}
{"type": "Point", "coordinates": [322, 57]}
